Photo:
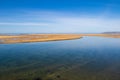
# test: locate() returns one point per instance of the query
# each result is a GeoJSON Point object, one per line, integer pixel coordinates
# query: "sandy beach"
{"type": "Point", "coordinates": [8, 39]}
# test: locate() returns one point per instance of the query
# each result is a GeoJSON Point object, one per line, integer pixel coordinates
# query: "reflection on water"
{"type": "Point", "coordinates": [89, 58]}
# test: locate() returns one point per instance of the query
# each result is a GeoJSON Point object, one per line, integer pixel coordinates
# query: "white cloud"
{"type": "Point", "coordinates": [64, 21]}
{"type": "Point", "coordinates": [25, 24]}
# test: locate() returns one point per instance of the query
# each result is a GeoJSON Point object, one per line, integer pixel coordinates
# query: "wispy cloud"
{"type": "Point", "coordinates": [24, 24]}
{"type": "Point", "coordinates": [63, 21]}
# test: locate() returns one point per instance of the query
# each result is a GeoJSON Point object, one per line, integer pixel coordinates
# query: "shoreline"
{"type": "Point", "coordinates": [29, 38]}
{"type": "Point", "coordinates": [37, 38]}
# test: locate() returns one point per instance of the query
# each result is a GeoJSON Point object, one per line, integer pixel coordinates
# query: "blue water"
{"type": "Point", "coordinates": [88, 45]}
{"type": "Point", "coordinates": [104, 52]}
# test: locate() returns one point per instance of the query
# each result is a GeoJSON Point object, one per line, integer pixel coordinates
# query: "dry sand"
{"type": "Point", "coordinates": [4, 39]}
{"type": "Point", "coordinates": [37, 38]}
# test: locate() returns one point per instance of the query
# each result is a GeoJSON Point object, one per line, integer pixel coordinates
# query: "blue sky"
{"type": "Point", "coordinates": [59, 16]}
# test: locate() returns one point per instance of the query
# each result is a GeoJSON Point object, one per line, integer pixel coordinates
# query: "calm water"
{"type": "Point", "coordinates": [89, 55]}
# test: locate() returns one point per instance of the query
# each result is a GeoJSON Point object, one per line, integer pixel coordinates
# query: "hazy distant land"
{"type": "Point", "coordinates": [111, 33]}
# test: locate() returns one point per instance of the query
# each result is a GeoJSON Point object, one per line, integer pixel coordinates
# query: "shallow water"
{"type": "Point", "coordinates": [90, 55]}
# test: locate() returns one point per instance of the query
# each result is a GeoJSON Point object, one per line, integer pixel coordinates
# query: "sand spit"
{"type": "Point", "coordinates": [37, 38]}
{"type": "Point", "coordinates": [5, 39]}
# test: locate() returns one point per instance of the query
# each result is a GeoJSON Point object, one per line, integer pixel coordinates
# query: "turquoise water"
{"type": "Point", "coordinates": [98, 54]}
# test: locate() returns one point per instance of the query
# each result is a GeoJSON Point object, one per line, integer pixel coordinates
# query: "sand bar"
{"type": "Point", "coordinates": [8, 39]}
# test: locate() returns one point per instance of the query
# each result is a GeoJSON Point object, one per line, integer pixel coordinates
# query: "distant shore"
{"type": "Point", "coordinates": [27, 38]}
